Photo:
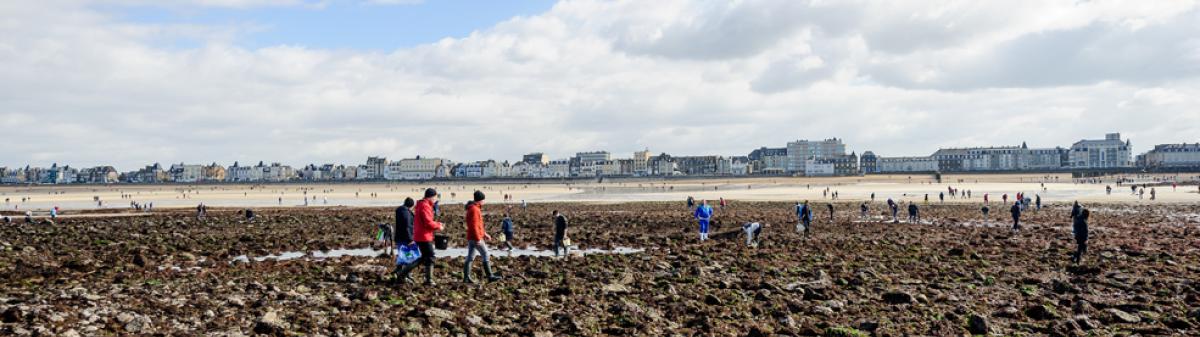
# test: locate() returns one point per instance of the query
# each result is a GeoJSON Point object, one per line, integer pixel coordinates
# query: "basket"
{"type": "Point", "coordinates": [441, 242]}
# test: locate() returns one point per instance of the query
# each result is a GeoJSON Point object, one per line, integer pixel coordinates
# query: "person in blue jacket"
{"type": "Point", "coordinates": [703, 214]}
{"type": "Point", "coordinates": [804, 213]}
{"type": "Point", "coordinates": [506, 227]}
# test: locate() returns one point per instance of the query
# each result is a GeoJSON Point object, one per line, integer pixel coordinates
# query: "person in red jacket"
{"type": "Point", "coordinates": [423, 227]}
{"type": "Point", "coordinates": [476, 239]}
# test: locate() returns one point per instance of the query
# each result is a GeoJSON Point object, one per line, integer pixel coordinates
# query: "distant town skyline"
{"type": "Point", "coordinates": [130, 82]}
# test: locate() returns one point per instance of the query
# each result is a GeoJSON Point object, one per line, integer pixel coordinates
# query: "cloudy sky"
{"type": "Point", "coordinates": [132, 82]}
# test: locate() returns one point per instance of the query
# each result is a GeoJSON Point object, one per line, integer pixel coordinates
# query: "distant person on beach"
{"type": "Point", "coordinates": [28, 216]}
{"type": "Point", "coordinates": [703, 215]}
{"type": "Point", "coordinates": [1080, 227]}
{"type": "Point", "coordinates": [985, 211]}
{"type": "Point", "coordinates": [477, 239]}
{"type": "Point", "coordinates": [914, 213]}
{"type": "Point", "coordinates": [872, 196]}
{"type": "Point", "coordinates": [560, 233]}
{"type": "Point", "coordinates": [1153, 194]}
{"type": "Point", "coordinates": [1004, 198]}
{"type": "Point", "coordinates": [830, 206]}
{"type": "Point", "coordinates": [506, 228]}
{"type": "Point", "coordinates": [423, 227]}
{"type": "Point", "coordinates": [941, 197]}
{"type": "Point", "coordinates": [249, 214]}
{"type": "Point", "coordinates": [1038, 201]}
{"type": "Point", "coordinates": [985, 199]}
{"type": "Point", "coordinates": [1108, 190]}
{"type": "Point", "coordinates": [1016, 215]}
{"type": "Point", "coordinates": [752, 230]}
{"type": "Point", "coordinates": [403, 236]}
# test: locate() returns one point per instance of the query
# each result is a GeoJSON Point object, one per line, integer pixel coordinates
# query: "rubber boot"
{"type": "Point", "coordinates": [487, 269]}
{"type": "Point", "coordinates": [429, 275]}
{"type": "Point", "coordinates": [403, 272]}
{"type": "Point", "coordinates": [467, 273]}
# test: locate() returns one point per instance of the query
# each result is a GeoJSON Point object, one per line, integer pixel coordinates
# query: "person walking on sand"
{"type": "Point", "coordinates": [403, 236]}
{"type": "Point", "coordinates": [477, 239]}
{"type": "Point", "coordinates": [1153, 194]}
{"type": "Point", "coordinates": [560, 233]}
{"type": "Point", "coordinates": [1080, 228]}
{"type": "Point", "coordinates": [506, 228]}
{"type": "Point", "coordinates": [1016, 215]}
{"type": "Point", "coordinates": [423, 227]}
{"type": "Point", "coordinates": [703, 215]}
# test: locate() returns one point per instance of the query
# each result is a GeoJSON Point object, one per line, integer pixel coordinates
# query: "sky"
{"type": "Point", "coordinates": [134, 82]}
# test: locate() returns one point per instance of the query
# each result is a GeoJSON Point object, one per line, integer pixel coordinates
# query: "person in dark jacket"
{"type": "Point", "coordinates": [864, 209]}
{"type": "Point", "coordinates": [830, 206]}
{"type": "Point", "coordinates": [423, 228]}
{"type": "Point", "coordinates": [985, 211]}
{"type": "Point", "coordinates": [506, 228]}
{"type": "Point", "coordinates": [1080, 228]}
{"type": "Point", "coordinates": [914, 213]}
{"type": "Point", "coordinates": [560, 233]}
{"type": "Point", "coordinates": [1016, 215]}
{"type": "Point", "coordinates": [403, 235]}
{"type": "Point", "coordinates": [1075, 210]}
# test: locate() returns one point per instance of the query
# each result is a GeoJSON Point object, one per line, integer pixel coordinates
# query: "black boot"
{"type": "Point", "coordinates": [403, 272]}
{"type": "Point", "coordinates": [467, 273]}
{"type": "Point", "coordinates": [429, 275]}
{"type": "Point", "coordinates": [487, 268]}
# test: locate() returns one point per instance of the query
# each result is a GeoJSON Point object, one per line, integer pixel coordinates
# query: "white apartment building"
{"type": "Point", "coordinates": [1110, 152]}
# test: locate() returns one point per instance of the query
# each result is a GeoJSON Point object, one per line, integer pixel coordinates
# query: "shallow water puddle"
{"type": "Point", "coordinates": [451, 252]}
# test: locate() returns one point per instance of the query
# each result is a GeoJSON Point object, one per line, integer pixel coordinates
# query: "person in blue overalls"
{"type": "Point", "coordinates": [703, 214]}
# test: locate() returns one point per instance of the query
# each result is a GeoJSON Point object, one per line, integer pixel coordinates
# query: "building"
{"type": "Point", "coordinates": [800, 151]}
{"type": "Point", "coordinates": [819, 168]}
{"type": "Point", "coordinates": [1002, 158]}
{"type": "Point", "coordinates": [1171, 156]}
{"type": "Point", "coordinates": [698, 165]}
{"type": "Point", "coordinates": [98, 175]}
{"type": "Point", "coordinates": [238, 173]}
{"type": "Point", "coordinates": [584, 157]}
{"type": "Point", "coordinates": [149, 174]}
{"type": "Point", "coordinates": [535, 158]}
{"type": "Point", "coordinates": [278, 173]}
{"type": "Point", "coordinates": [213, 172]}
{"type": "Point", "coordinates": [560, 168]}
{"type": "Point", "coordinates": [1110, 152]}
{"type": "Point", "coordinates": [183, 173]}
{"type": "Point", "coordinates": [376, 168]}
{"type": "Point", "coordinates": [868, 163]}
{"type": "Point", "coordinates": [907, 164]}
{"type": "Point", "coordinates": [767, 160]}
{"type": "Point", "coordinates": [639, 165]}
{"type": "Point", "coordinates": [419, 169]}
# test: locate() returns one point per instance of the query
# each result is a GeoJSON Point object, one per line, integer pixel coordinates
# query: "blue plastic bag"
{"type": "Point", "coordinates": [406, 254]}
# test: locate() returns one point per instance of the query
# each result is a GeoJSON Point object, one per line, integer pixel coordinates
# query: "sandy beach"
{"type": "Point", "coordinates": [1052, 188]}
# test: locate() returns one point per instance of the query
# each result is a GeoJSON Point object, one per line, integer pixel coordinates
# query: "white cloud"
{"type": "Point", "coordinates": [82, 87]}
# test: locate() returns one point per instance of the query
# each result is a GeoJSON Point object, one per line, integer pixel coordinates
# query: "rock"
{"type": "Point", "coordinates": [956, 252]}
{"type": "Point", "coordinates": [137, 324]}
{"type": "Point", "coordinates": [1040, 312]}
{"type": "Point", "coordinates": [977, 325]}
{"type": "Point", "coordinates": [271, 323]}
{"type": "Point", "coordinates": [340, 301]}
{"type": "Point", "coordinates": [187, 257]}
{"type": "Point", "coordinates": [823, 310]}
{"type": "Point", "coordinates": [236, 301]}
{"type": "Point", "coordinates": [1085, 323]}
{"type": "Point", "coordinates": [1117, 316]}
{"type": "Point", "coordinates": [12, 315]}
{"type": "Point", "coordinates": [124, 318]}
{"type": "Point", "coordinates": [710, 299]}
{"type": "Point", "coordinates": [897, 297]}
{"type": "Point", "coordinates": [437, 313]}
{"type": "Point", "coordinates": [1177, 323]}
{"type": "Point", "coordinates": [616, 288]}
{"type": "Point", "coordinates": [70, 333]}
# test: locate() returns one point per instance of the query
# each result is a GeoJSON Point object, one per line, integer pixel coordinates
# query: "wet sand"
{"type": "Point", "coordinates": [1056, 188]}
